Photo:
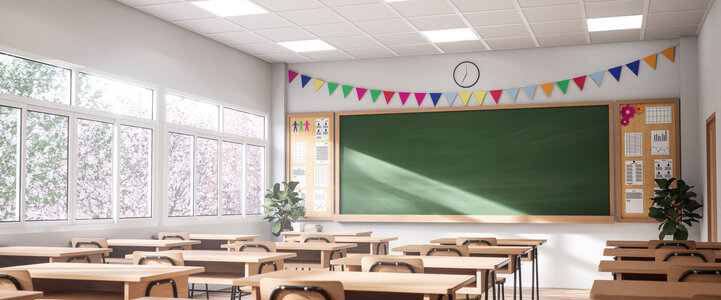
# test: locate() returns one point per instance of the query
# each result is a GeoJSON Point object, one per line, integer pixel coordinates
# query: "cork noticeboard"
{"type": "Point", "coordinates": [647, 148]}
{"type": "Point", "coordinates": [310, 161]}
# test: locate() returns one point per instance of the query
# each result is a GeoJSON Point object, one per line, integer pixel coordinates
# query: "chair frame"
{"type": "Point", "coordinates": [315, 289]}
{"type": "Point", "coordinates": [12, 280]}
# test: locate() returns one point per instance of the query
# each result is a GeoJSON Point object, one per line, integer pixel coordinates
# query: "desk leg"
{"type": "Point", "coordinates": [533, 273]}
{"type": "Point", "coordinates": [520, 281]}
{"type": "Point", "coordinates": [515, 277]}
{"type": "Point", "coordinates": [255, 295]}
{"type": "Point", "coordinates": [538, 285]}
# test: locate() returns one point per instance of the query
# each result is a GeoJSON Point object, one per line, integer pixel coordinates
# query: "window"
{"type": "Point", "coordinates": [31, 79]}
{"type": "Point", "coordinates": [180, 173]}
{"type": "Point", "coordinates": [95, 170]}
{"type": "Point", "coordinates": [46, 191]}
{"type": "Point", "coordinates": [135, 171]}
{"type": "Point", "coordinates": [207, 177]}
{"type": "Point", "coordinates": [112, 96]}
{"type": "Point", "coordinates": [9, 164]}
{"type": "Point", "coordinates": [255, 172]}
{"type": "Point", "coordinates": [232, 178]}
{"type": "Point", "coordinates": [243, 123]}
{"type": "Point", "coordinates": [189, 112]}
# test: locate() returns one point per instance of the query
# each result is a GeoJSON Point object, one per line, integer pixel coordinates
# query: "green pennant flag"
{"type": "Point", "coordinates": [374, 94]}
{"type": "Point", "coordinates": [563, 85]}
{"type": "Point", "coordinates": [331, 87]}
{"type": "Point", "coordinates": [346, 90]}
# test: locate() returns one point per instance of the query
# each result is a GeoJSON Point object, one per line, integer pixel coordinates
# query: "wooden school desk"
{"type": "Point", "coordinates": [377, 286]}
{"type": "Point", "coordinates": [21, 255]}
{"type": "Point", "coordinates": [639, 270]}
{"type": "Point", "coordinates": [122, 247]}
{"type": "Point", "coordinates": [644, 244]}
{"type": "Point", "coordinates": [235, 264]}
{"type": "Point", "coordinates": [641, 254]}
{"type": "Point", "coordinates": [20, 295]}
{"type": "Point", "coordinates": [105, 281]}
{"type": "Point", "coordinates": [209, 241]}
{"type": "Point", "coordinates": [311, 255]}
{"type": "Point", "coordinates": [336, 233]}
{"type": "Point", "coordinates": [366, 244]}
{"type": "Point", "coordinates": [651, 290]}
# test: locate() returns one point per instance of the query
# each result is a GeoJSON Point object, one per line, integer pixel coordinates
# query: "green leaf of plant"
{"type": "Point", "coordinates": [275, 229]}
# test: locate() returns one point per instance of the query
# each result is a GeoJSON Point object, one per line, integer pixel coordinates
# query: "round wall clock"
{"type": "Point", "coordinates": [466, 74]}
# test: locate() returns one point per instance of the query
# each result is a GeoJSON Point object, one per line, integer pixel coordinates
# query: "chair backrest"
{"type": "Point", "coordinates": [444, 250]}
{"type": "Point", "coordinates": [678, 255]}
{"type": "Point", "coordinates": [318, 237]}
{"type": "Point", "coordinates": [89, 243]}
{"type": "Point", "coordinates": [283, 289]}
{"type": "Point", "coordinates": [392, 264]}
{"type": "Point", "coordinates": [476, 241]}
{"type": "Point", "coordinates": [245, 246]}
{"type": "Point", "coordinates": [168, 258]}
{"type": "Point", "coordinates": [662, 244]}
{"type": "Point", "coordinates": [174, 236]}
{"type": "Point", "coordinates": [694, 272]}
{"type": "Point", "coordinates": [15, 280]}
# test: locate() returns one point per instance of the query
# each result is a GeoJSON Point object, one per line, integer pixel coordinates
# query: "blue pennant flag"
{"type": "Point", "coordinates": [530, 90]}
{"type": "Point", "coordinates": [451, 97]}
{"type": "Point", "coordinates": [512, 93]}
{"type": "Point", "coordinates": [616, 72]}
{"type": "Point", "coordinates": [304, 79]}
{"type": "Point", "coordinates": [435, 97]}
{"type": "Point", "coordinates": [597, 77]}
{"type": "Point", "coordinates": [633, 66]}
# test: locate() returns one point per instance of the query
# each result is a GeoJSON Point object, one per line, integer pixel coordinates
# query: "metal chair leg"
{"type": "Point", "coordinates": [191, 292]}
{"type": "Point", "coordinates": [207, 293]}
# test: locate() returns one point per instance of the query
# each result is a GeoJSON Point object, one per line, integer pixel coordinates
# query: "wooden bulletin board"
{"type": "Point", "coordinates": [647, 148]}
{"type": "Point", "coordinates": [309, 160]}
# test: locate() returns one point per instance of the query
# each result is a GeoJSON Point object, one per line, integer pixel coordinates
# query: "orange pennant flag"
{"type": "Point", "coordinates": [651, 60]}
{"type": "Point", "coordinates": [669, 53]}
{"type": "Point", "coordinates": [548, 87]}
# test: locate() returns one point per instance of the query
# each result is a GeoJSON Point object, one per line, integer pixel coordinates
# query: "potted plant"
{"type": "Point", "coordinates": [674, 207]}
{"type": "Point", "coordinates": [283, 207]}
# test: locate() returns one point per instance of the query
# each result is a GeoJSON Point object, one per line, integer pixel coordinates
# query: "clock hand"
{"type": "Point", "coordinates": [464, 76]}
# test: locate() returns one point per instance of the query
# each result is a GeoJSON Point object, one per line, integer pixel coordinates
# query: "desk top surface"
{"type": "Point", "coordinates": [105, 272]}
{"type": "Point", "coordinates": [656, 290]}
{"type": "Point", "coordinates": [496, 250]}
{"type": "Point", "coordinates": [50, 251]}
{"type": "Point", "coordinates": [644, 244]}
{"type": "Point", "coordinates": [20, 295]}
{"type": "Point", "coordinates": [307, 246]}
{"type": "Point", "coordinates": [501, 242]}
{"type": "Point", "coordinates": [351, 239]}
{"type": "Point", "coordinates": [446, 262]}
{"type": "Point", "coordinates": [149, 243]}
{"type": "Point", "coordinates": [639, 252]}
{"type": "Point", "coordinates": [330, 232]}
{"type": "Point", "coordinates": [228, 256]}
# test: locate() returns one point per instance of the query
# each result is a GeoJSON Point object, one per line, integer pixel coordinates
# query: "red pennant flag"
{"type": "Point", "coordinates": [291, 75]}
{"type": "Point", "coordinates": [420, 97]}
{"type": "Point", "coordinates": [580, 81]}
{"type": "Point", "coordinates": [360, 93]}
{"type": "Point", "coordinates": [404, 97]}
{"type": "Point", "coordinates": [496, 94]}
{"type": "Point", "coordinates": [388, 96]}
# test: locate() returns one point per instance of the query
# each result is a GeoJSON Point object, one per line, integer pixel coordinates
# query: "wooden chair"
{"type": "Point", "coordinates": [392, 264]}
{"type": "Point", "coordinates": [183, 236]}
{"type": "Point", "coordinates": [15, 280]}
{"type": "Point", "coordinates": [245, 246]}
{"type": "Point", "coordinates": [476, 241]}
{"type": "Point", "coordinates": [691, 256]}
{"type": "Point", "coordinates": [166, 258]}
{"type": "Point", "coordinates": [444, 250]}
{"type": "Point", "coordinates": [694, 272]}
{"type": "Point", "coordinates": [282, 289]}
{"type": "Point", "coordinates": [318, 237]}
{"type": "Point", "coordinates": [662, 244]}
{"type": "Point", "coordinates": [90, 243]}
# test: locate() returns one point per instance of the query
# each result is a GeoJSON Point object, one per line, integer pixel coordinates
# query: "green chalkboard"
{"type": "Point", "coordinates": [539, 161]}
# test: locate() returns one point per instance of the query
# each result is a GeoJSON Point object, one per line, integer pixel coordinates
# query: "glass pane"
{"type": "Point", "coordinates": [254, 170]}
{"type": "Point", "coordinates": [243, 123]}
{"type": "Point", "coordinates": [47, 167]}
{"type": "Point", "coordinates": [180, 170]}
{"type": "Point", "coordinates": [27, 78]}
{"type": "Point", "coordinates": [9, 164]}
{"type": "Point", "coordinates": [185, 111]}
{"type": "Point", "coordinates": [232, 178]}
{"type": "Point", "coordinates": [95, 170]}
{"type": "Point", "coordinates": [136, 146]}
{"type": "Point", "coordinates": [114, 96]}
{"type": "Point", "coordinates": [207, 177]}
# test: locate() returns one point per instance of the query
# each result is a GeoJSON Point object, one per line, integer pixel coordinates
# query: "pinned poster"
{"type": "Point", "coordinates": [321, 176]}
{"type": "Point", "coordinates": [663, 168]}
{"type": "Point", "coordinates": [298, 150]}
{"type": "Point", "coordinates": [658, 115]}
{"type": "Point", "coordinates": [597, 78]}
{"type": "Point", "coordinates": [634, 201]}
{"type": "Point", "coordinates": [530, 90]}
{"type": "Point", "coordinates": [634, 172]}
{"type": "Point", "coordinates": [319, 201]}
{"type": "Point", "coordinates": [451, 97]}
{"type": "Point", "coordinates": [634, 144]}
{"type": "Point", "coordinates": [480, 96]}
{"type": "Point", "coordinates": [548, 88]}
{"type": "Point", "coordinates": [318, 83]}
{"type": "Point", "coordinates": [298, 174]}
{"type": "Point", "coordinates": [659, 142]}
{"type": "Point", "coordinates": [322, 153]}
{"type": "Point", "coordinates": [322, 131]}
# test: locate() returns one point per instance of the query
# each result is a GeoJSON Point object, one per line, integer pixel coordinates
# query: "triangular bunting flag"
{"type": "Point", "coordinates": [597, 78]}
{"type": "Point", "coordinates": [616, 72]}
{"type": "Point", "coordinates": [404, 97]}
{"type": "Point", "coordinates": [633, 66]}
{"type": "Point", "coordinates": [563, 85]}
{"type": "Point", "coordinates": [331, 87]}
{"type": "Point", "coordinates": [480, 96]}
{"type": "Point", "coordinates": [548, 88]}
{"type": "Point", "coordinates": [304, 79]}
{"type": "Point", "coordinates": [496, 95]}
{"type": "Point", "coordinates": [513, 92]}
{"type": "Point", "coordinates": [318, 83]}
{"type": "Point", "coordinates": [651, 60]}
{"type": "Point", "coordinates": [361, 92]}
{"type": "Point", "coordinates": [451, 97]}
{"type": "Point", "coordinates": [580, 81]}
{"type": "Point", "coordinates": [435, 97]}
{"type": "Point", "coordinates": [465, 97]}
{"type": "Point", "coordinates": [374, 95]}
{"type": "Point", "coordinates": [420, 97]}
{"type": "Point", "coordinates": [388, 96]}
{"type": "Point", "coordinates": [291, 75]}
{"type": "Point", "coordinates": [669, 53]}
{"type": "Point", "coordinates": [346, 90]}
{"type": "Point", "coordinates": [530, 90]}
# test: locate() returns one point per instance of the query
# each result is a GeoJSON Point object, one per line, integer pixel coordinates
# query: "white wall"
{"type": "Point", "coordinates": [571, 257]}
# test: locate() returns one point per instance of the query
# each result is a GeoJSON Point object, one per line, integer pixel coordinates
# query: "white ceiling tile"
{"type": "Point", "coordinates": [406, 38]}
{"type": "Point", "coordinates": [384, 26]}
{"type": "Point", "coordinates": [675, 18]}
{"type": "Point", "coordinates": [262, 48]}
{"type": "Point", "coordinates": [283, 5]}
{"type": "Point", "coordinates": [616, 36]}
{"type": "Point", "coordinates": [658, 33]}
{"type": "Point", "coordinates": [348, 2]}
{"type": "Point", "coordinates": [489, 18]}
{"type": "Point", "coordinates": [176, 11]}
{"type": "Point", "coordinates": [372, 52]}
{"type": "Point", "coordinates": [237, 37]}
{"type": "Point", "coordinates": [437, 22]}
{"type": "Point", "coordinates": [533, 3]}
{"type": "Point", "coordinates": [565, 39]}
{"type": "Point", "coordinates": [210, 25]}
{"type": "Point", "coordinates": [656, 6]}
{"type": "Point", "coordinates": [284, 57]}
{"type": "Point", "coordinates": [260, 21]}
{"type": "Point", "coordinates": [146, 2]}
{"type": "Point", "coordinates": [416, 8]}
{"type": "Point", "coordinates": [476, 5]}
{"type": "Point", "coordinates": [327, 55]}
{"type": "Point", "coordinates": [500, 31]}
{"type": "Point", "coordinates": [557, 27]}
{"type": "Point", "coordinates": [464, 46]}
{"type": "Point", "coordinates": [419, 49]}
{"type": "Point", "coordinates": [360, 41]}
{"type": "Point", "coordinates": [286, 34]}
{"type": "Point", "coordinates": [553, 13]}
{"type": "Point", "coordinates": [614, 8]}
{"type": "Point", "coordinates": [510, 43]}
{"type": "Point", "coordinates": [312, 16]}
{"type": "Point", "coordinates": [364, 12]}
{"type": "Point", "coordinates": [334, 30]}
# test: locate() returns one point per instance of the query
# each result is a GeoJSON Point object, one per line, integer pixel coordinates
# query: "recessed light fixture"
{"type": "Point", "coordinates": [307, 45]}
{"type": "Point", "coordinates": [450, 35]}
{"type": "Point", "coordinates": [615, 23]}
{"type": "Point", "coordinates": [229, 8]}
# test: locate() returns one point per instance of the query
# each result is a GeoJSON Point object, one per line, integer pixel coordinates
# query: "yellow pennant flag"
{"type": "Point", "coordinates": [318, 83]}
{"type": "Point", "coordinates": [548, 88]}
{"type": "Point", "coordinates": [651, 60]}
{"type": "Point", "coordinates": [669, 53]}
{"type": "Point", "coordinates": [480, 96]}
{"type": "Point", "coordinates": [465, 97]}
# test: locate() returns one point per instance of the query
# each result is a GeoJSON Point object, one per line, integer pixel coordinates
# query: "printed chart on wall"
{"type": "Point", "coordinates": [647, 149]}
{"type": "Point", "coordinates": [309, 160]}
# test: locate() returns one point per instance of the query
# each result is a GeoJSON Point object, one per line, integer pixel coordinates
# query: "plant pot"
{"type": "Point", "coordinates": [298, 226]}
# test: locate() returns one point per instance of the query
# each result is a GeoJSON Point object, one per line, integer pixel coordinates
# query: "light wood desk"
{"type": "Point", "coordinates": [236, 264]}
{"type": "Point", "coordinates": [640, 254]}
{"type": "Point", "coordinates": [377, 286]}
{"type": "Point", "coordinates": [651, 290]}
{"type": "Point", "coordinates": [336, 233]}
{"type": "Point", "coordinates": [122, 247]}
{"type": "Point", "coordinates": [22, 255]}
{"type": "Point", "coordinates": [20, 295]}
{"type": "Point", "coordinates": [105, 281]}
{"type": "Point", "coordinates": [366, 244]}
{"type": "Point", "coordinates": [644, 244]}
{"type": "Point", "coordinates": [639, 270]}
{"type": "Point", "coordinates": [212, 241]}
{"type": "Point", "coordinates": [311, 256]}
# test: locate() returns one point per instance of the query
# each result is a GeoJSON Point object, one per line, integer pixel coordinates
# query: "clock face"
{"type": "Point", "coordinates": [466, 74]}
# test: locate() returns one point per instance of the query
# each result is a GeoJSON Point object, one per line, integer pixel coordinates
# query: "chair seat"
{"type": "Point", "coordinates": [82, 295]}
{"type": "Point", "coordinates": [214, 278]}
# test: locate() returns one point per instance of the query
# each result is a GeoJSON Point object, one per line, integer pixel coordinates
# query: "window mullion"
{"type": "Point", "coordinates": [22, 163]}
{"type": "Point", "coordinates": [72, 167]}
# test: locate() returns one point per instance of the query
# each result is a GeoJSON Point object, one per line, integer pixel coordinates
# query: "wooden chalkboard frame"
{"type": "Point", "coordinates": [337, 216]}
